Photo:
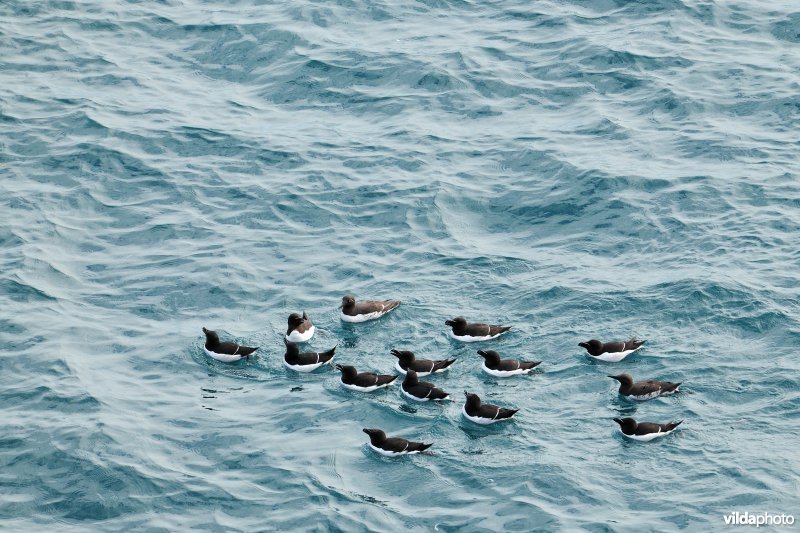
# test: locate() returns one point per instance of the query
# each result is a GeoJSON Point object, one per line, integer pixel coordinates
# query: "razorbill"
{"type": "Point", "coordinates": [644, 431]}
{"type": "Point", "coordinates": [227, 352]}
{"type": "Point", "coordinates": [307, 361]}
{"type": "Point", "coordinates": [300, 328]}
{"type": "Point", "coordinates": [504, 368]}
{"type": "Point", "coordinates": [484, 413]}
{"type": "Point", "coordinates": [366, 310]}
{"type": "Point", "coordinates": [421, 391]}
{"type": "Point", "coordinates": [393, 446]}
{"type": "Point", "coordinates": [464, 332]}
{"type": "Point", "coordinates": [364, 381]}
{"type": "Point", "coordinates": [644, 390]}
{"type": "Point", "coordinates": [422, 367]}
{"type": "Point", "coordinates": [611, 352]}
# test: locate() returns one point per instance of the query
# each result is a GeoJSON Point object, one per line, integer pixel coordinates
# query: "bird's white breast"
{"type": "Point", "coordinates": [468, 338]}
{"type": "Point", "coordinates": [505, 373]}
{"type": "Point", "coordinates": [645, 397]}
{"type": "Point", "coordinates": [296, 336]}
{"type": "Point", "coordinates": [415, 398]}
{"type": "Point", "coordinates": [361, 318]}
{"type": "Point", "coordinates": [614, 357]}
{"type": "Point", "coordinates": [363, 389]}
{"type": "Point", "coordinates": [476, 419]}
{"type": "Point", "coordinates": [223, 357]}
{"type": "Point", "coordinates": [400, 369]}
{"type": "Point", "coordinates": [649, 436]}
{"type": "Point", "coordinates": [387, 453]}
{"type": "Point", "coordinates": [302, 368]}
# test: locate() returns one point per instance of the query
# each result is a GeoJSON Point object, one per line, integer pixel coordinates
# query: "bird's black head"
{"type": "Point", "coordinates": [376, 436]}
{"type": "Point", "coordinates": [490, 356]}
{"type": "Point", "coordinates": [627, 425]}
{"type": "Point", "coordinates": [404, 356]}
{"type": "Point", "coordinates": [295, 320]}
{"type": "Point", "coordinates": [459, 325]}
{"type": "Point", "coordinates": [594, 346]}
{"type": "Point", "coordinates": [457, 321]}
{"type": "Point", "coordinates": [291, 348]}
{"type": "Point", "coordinates": [473, 400]}
{"type": "Point", "coordinates": [624, 379]}
{"type": "Point", "coordinates": [211, 337]}
{"type": "Point", "coordinates": [348, 301]}
{"type": "Point", "coordinates": [347, 371]}
{"type": "Point", "coordinates": [411, 378]}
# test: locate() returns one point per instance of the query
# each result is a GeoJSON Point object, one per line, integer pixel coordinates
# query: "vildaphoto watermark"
{"type": "Point", "coordinates": [758, 519]}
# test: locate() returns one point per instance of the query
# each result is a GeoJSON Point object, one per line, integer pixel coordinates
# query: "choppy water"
{"type": "Point", "coordinates": [576, 169]}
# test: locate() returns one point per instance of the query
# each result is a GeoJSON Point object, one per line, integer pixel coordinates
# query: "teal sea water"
{"type": "Point", "coordinates": [575, 169]}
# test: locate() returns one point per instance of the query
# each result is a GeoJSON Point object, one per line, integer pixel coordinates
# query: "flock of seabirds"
{"type": "Point", "coordinates": [301, 330]}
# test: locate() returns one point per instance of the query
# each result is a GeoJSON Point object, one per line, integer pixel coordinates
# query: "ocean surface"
{"type": "Point", "coordinates": [576, 169]}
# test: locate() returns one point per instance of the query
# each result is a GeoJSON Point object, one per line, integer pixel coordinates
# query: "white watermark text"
{"type": "Point", "coordinates": [758, 519]}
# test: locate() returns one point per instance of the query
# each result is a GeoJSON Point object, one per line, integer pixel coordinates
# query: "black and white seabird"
{"type": "Point", "coordinates": [364, 381]}
{"type": "Point", "coordinates": [464, 332]}
{"type": "Point", "coordinates": [645, 431]}
{"type": "Point", "coordinates": [366, 310]}
{"type": "Point", "coordinates": [227, 352]}
{"type": "Point", "coordinates": [421, 391]}
{"type": "Point", "coordinates": [611, 352]}
{"type": "Point", "coordinates": [307, 361]}
{"type": "Point", "coordinates": [422, 367]}
{"type": "Point", "coordinates": [504, 368]}
{"type": "Point", "coordinates": [484, 413]}
{"type": "Point", "coordinates": [393, 446]}
{"type": "Point", "coordinates": [644, 390]}
{"type": "Point", "coordinates": [300, 328]}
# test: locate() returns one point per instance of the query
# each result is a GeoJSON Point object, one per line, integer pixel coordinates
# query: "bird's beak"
{"type": "Point", "coordinates": [618, 421]}
{"type": "Point", "coordinates": [448, 322]}
{"type": "Point", "coordinates": [614, 377]}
